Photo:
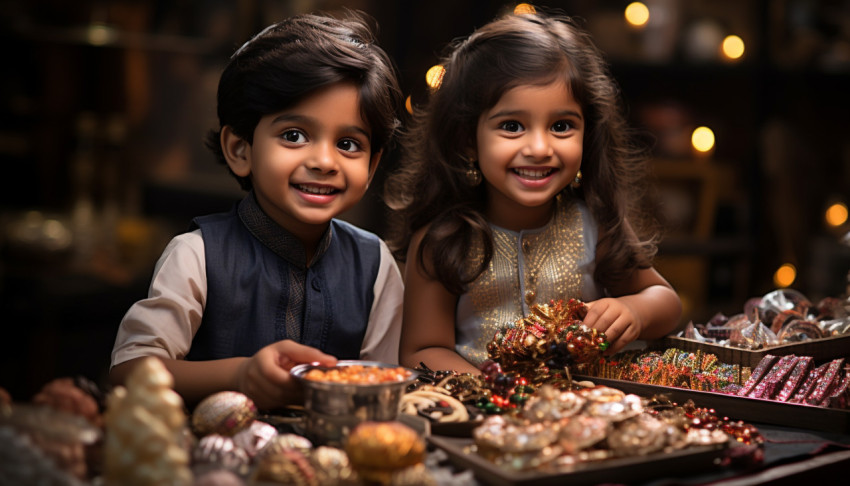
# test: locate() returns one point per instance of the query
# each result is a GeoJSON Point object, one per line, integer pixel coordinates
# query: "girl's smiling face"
{"type": "Point", "coordinates": [529, 148]}
{"type": "Point", "coordinates": [313, 161]}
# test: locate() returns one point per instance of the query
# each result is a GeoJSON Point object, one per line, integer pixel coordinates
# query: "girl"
{"type": "Point", "coordinates": [520, 186]}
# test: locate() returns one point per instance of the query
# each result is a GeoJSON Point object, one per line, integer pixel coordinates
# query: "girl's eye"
{"type": "Point", "coordinates": [294, 136]}
{"type": "Point", "coordinates": [511, 126]}
{"type": "Point", "coordinates": [348, 145]}
{"type": "Point", "coordinates": [561, 126]}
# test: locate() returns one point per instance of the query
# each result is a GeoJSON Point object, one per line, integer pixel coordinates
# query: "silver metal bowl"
{"type": "Point", "coordinates": [334, 409]}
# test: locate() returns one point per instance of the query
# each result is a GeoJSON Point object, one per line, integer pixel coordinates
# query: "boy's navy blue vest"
{"type": "Point", "coordinates": [248, 291]}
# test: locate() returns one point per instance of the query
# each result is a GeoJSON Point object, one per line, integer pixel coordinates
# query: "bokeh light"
{"type": "Point", "coordinates": [785, 275]}
{"type": "Point", "coordinates": [524, 8]}
{"type": "Point", "coordinates": [100, 34]}
{"type": "Point", "coordinates": [408, 105]}
{"type": "Point", "coordinates": [836, 214]}
{"type": "Point", "coordinates": [732, 47]}
{"type": "Point", "coordinates": [703, 139]}
{"type": "Point", "coordinates": [637, 14]}
{"type": "Point", "coordinates": [434, 76]}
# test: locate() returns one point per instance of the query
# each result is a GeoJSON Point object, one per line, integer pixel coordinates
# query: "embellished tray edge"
{"type": "Point", "coordinates": [627, 470]}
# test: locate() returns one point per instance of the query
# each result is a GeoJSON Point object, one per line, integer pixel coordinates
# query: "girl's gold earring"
{"type": "Point", "coordinates": [473, 175]}
{"type": "Point", "coordinates": [576, 183]}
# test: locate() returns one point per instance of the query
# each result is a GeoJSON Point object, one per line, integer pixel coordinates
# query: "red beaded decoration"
{"type": "Point", "coordinates": [543, 344]}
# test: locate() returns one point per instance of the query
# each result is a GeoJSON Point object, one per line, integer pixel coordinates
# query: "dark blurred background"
{"type": "Point", "coordinates": [105, 104]}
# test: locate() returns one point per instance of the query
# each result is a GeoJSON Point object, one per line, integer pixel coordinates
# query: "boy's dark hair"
{"type": "Point", "coordinates": [289, 60]}
{"type": "Point", "coordinates": [430, 189]}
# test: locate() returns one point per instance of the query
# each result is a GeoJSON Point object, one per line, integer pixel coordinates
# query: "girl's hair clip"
{"type": "Point", "coordinates": [356, 42]}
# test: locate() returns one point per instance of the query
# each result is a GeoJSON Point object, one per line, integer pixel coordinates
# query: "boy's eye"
{"type": "Point", "coordinates": [561, 126]}
{"type": "Point", "coordinates": [348, 145]}
{"type": "Point", "coordinates": [294, 136]}
{"type": "Point", "coordinates": [511, 126]}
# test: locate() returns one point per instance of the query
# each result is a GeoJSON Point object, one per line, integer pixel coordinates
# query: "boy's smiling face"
{"type": "Point", "coordinates": [310, 162]}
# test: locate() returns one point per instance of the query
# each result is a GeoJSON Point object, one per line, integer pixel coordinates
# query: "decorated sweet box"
{"type": "Point", "coordinates": [823, 349]}
{"type": "Point", "coordinates": [780, 323]}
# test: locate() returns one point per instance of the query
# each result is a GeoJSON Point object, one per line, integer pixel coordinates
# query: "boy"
{"type": "Point", "coordinates": [306, 108]}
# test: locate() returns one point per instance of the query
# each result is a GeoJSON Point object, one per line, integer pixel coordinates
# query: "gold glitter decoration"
{"type": "Point", "coordinates": [543, 264]}
{"type": "Point", "coordinates": [282, 442]}
{"type": "Point", "coordinates": [145, 426]}
{"type": "Point", "coordinates": [289, 466]}
{"type": "Point", "coordinates": [332, 466]}
{"type": "Point", "coordinates": [417, 475]}
{"type": "Point", "coordinates": [378, 449]}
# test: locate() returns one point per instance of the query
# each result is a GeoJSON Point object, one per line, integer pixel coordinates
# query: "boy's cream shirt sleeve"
{"type": "Point", "coordinates": [384, 328]}
{"type": "Point", "coordinates": [164, 323]}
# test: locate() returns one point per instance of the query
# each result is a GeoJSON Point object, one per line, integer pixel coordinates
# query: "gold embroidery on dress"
{"type": "Point", "coordinates": [549, 263]}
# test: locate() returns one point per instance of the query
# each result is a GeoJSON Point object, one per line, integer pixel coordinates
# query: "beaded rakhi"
{"type": "Point", "coordinates": [551, 338]}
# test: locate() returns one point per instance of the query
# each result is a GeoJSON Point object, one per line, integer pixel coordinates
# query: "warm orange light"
{"type": "Point", "coordinates": [637, 14]}
{"type": "Point", "coordinates": [836, 214]}
{"type": "Point", "coordinates": [408, 105]}
{"type": "Point", "coordinates": [524, 8]}
{"type": "Point", "coordinates": [434, 76]}
{"type": "Point", "coordinates": [785, 275]}
{"type": "Point", "coordinates": [702, 139]}
{"type": "Point", "coordinates": [732, 47]}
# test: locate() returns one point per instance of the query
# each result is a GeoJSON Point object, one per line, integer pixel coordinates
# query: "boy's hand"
{"type": "Point", "coordinates": [265, 377]}
{"type": "Point", "coordinates": [616, 319]}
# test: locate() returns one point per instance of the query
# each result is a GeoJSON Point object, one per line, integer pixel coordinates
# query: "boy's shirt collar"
{"type": "Point", "coordinates": [283, 243]}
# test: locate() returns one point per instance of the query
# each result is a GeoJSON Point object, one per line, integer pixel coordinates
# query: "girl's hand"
{"type": "Point", "coordinates": [616, 319]}
{"type": "Point", "coordinates": [265, 377]}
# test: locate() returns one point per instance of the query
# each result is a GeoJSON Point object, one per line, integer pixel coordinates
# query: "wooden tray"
{"type": "Point", "coordinates": [626, 470]}
{"type": "Point", "coordinates": [821, 350]}
{"type": "Point", "coordinates": [455, 429]}
{"type": "Point", "coordinates": [742, 408]}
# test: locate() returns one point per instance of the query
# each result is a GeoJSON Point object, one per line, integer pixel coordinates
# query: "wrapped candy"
{"type": "Point", "coordinates": [778, 301]}
{"type": "Point", "coordinates": [755, 336]}
{"type": "Point", "coordinates": [24, 462]}
{"type": "Point", "coordinates": [783, 316]}
{"type": "Point", "coordinates": [220, 451]}
{"type": "Point", "coordinates": [332, 466]}
{"type": "Point", "coordinates": [289, 466]}
{"type": "Point", "coordinates": [225, 413]}
{"type": "Point", "coordinates": [59, 436]}
{"type": "Point", "coordinates": [255, 437]}
{"type": "Point", "coordinates": [377, 450]}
